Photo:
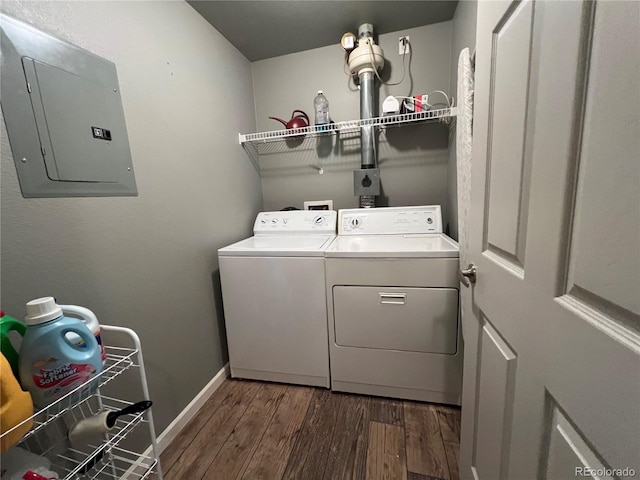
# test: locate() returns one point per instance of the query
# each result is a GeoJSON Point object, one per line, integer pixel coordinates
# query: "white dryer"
{"type": "Point", "coordinates": [392, 300]}
{"type": "Point", "coordinates": [273, 292]}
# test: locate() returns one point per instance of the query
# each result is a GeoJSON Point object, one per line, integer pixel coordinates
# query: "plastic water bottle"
{"type": "Point", "coordinates": [321, 107]}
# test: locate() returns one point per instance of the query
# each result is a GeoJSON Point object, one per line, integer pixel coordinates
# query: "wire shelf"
{"type": "Point", "coordinates": [264, 147]}
{"type": "Point", "coordinates": [121, 463]}
{"type": "Point", "coordinates": [84, 460]}
{"type": "Point", "coordinates": [118, 360]}
{"type": "Point", "coordinates": [349, 126]}
{"type": "Point", "coordinates": [89, 460]}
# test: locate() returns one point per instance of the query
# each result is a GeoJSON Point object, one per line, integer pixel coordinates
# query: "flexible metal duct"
{"type": "Point", "coordinates": [367, 155]}
{"type": "Point", "coordinates": [364, 60]}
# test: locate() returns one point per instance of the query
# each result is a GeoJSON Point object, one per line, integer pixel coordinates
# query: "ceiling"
{"type": "Point", "coordinates": [265, 29]}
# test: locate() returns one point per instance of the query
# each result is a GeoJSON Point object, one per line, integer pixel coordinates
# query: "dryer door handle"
{"type": "Point", "coordinates": [392, 298]}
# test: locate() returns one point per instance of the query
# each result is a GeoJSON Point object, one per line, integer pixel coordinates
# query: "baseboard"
{"type": "Point", "coordinates": [174, 428]}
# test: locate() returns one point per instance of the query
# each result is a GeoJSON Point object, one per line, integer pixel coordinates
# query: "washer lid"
{"type": "Point", "coordinates": [435, 245]}
{"type": "Point", "coordinates": [279, 246]}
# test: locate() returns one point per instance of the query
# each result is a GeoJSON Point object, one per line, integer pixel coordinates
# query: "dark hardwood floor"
{"type": "Point", "coordinates": [269, 431]}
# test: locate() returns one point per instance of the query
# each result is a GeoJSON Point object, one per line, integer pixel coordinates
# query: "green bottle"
{"type": "Point", "coordinates": [7, 324]}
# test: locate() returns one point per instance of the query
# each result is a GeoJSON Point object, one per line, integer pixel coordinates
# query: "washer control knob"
{"type": "Point", "coordinates": [355, 222]}
{"type": "Point", "coordinates": [319, 220]}
{"type": "Point", "coordinates": [263, 221]}
{"type": "Point", "coordinates": [285, 220]}
{"type": "Point", "coordinates": [429, 220]}
{"type": "Point", "coordinates": [274, 221]}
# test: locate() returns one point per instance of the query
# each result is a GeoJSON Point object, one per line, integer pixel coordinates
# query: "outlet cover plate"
{"type": "Point", "coordinates": [404, 48]}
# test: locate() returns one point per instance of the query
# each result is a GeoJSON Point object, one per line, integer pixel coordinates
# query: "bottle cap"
{"type": "Point", "coordinates": [30, 475]}
{"type": "Point", "coordinates": [42, 310]}
{"type": "Point", "coordinates": [320, 92]}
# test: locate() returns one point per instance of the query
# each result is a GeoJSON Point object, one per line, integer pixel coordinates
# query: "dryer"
{"type": "Point", "coordinates": [273, 292]}
{"type": "Point", "coordinates": [392, 303]}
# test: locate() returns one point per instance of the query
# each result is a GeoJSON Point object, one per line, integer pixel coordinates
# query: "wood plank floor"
{"type": "Point", "coordinates": [267, 431]}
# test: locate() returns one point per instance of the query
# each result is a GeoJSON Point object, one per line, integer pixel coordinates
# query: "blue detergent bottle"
{"type": "Point", "coordinates": [50, 364]}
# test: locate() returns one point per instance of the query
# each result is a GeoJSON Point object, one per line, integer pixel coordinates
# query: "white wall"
{"type": "Point", "coordinates": [464, 35]}
{"type": "Point", "coordinates": [413, 159]}
{"type": "Point", "coordinates": [146, 262]}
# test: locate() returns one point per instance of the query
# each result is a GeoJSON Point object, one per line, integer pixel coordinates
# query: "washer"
{"type": "Point", "coordinates": [392, 301]}
{"type": "Point", "coordinates": [273, 291]}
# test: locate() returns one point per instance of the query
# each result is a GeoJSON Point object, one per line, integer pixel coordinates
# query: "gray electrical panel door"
{"type": "Point", "coordinates": [64, 117]}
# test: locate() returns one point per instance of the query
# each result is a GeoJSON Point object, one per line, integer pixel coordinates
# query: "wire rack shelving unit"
{"type": "Point", "coordinates": [257, 144]}
{"type": "Point", "coordinates": [107, 458]}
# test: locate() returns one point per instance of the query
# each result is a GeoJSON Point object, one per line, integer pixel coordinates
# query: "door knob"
{"type": "Point", "coordinates": [467, 275]}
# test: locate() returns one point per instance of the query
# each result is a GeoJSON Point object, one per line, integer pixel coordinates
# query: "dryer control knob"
{"type": "Point", "coordinates": [355, 222]}
{"type": "Point", "coordinates": [319, 220]}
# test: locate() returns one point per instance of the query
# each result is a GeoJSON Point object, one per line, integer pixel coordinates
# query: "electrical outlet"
{"type": "Point", "coordinates": [404, 46]}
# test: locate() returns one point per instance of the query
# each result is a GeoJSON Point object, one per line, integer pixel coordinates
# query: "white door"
{"type": "Point", "coordinates": [551, 328]}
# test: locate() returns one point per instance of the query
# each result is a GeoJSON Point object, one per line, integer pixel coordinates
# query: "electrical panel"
{"type": "Point", "coordinates": [64, 117]}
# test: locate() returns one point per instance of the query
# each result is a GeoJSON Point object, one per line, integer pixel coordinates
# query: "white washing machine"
{"type": "Point", "coordinates": [273, 291]}
{"type": "Point", "coordinates": [392, 300]}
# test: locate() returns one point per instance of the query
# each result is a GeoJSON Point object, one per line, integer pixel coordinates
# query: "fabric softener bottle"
{"type": "Point", "coordinates": [51, 365]}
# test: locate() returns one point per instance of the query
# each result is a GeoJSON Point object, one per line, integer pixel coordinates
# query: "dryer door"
{"type": "Point", "coordinates": [410, 319]}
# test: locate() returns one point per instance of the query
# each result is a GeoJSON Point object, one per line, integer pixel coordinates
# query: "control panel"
{"type": "Point", "coordinates": [390, 220]}
{"type": "Point", "coordinates": [296, 221]}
